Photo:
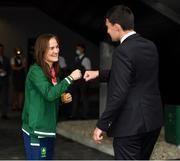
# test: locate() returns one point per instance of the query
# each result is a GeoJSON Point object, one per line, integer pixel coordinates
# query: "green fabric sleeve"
{"type": "Point", "coordinates": [45, 87]}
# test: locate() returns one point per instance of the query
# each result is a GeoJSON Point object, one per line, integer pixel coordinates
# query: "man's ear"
{"type": "Point", "coordinates": [117, 27]}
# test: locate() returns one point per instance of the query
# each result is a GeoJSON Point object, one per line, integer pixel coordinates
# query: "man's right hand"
{"type": "Point", "coordinates": [76, 74]}
{"type": "Point", "coordinates": [97, 135]}
{"type": "Point", "coordinates": [89, 75]}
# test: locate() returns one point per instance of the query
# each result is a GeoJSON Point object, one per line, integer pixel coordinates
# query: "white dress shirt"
{"type": "Point", "coordinates": [127, 35]}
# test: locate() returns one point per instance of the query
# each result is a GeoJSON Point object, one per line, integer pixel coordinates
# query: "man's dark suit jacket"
{"type": "Point", "coordinates": [133, 99]}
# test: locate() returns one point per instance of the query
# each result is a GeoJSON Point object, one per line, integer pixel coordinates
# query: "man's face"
{"type": "Point", "coordinates": [79, 50]}
{"type": "Point", "coordinates": [112, 30]}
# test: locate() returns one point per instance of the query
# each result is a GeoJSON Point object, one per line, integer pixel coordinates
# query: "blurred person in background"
{"type": "Point", "coordinates": [4, 83]}
{"type": "Point", "coordinates": [80, 103]}
{"type": "Point", "coordinates": [63, 67]}
{"type": "Point", "coordinates": [19, 67]}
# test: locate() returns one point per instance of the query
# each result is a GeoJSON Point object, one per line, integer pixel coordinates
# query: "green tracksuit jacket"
{"type": "Point", "coordinates": [39, 118]}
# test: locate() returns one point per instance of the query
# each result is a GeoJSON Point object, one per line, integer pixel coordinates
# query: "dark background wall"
{"type": "Point", "coordinates": [158, 20]}
{"type": "Point", "coordinates": [20, 24]}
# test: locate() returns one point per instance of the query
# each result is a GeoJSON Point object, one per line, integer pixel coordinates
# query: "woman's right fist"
{"type": "Point", "coordinates": [76, 74]}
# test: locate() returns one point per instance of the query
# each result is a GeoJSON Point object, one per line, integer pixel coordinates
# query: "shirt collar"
{"type": "Point", "coordinates": [127, 35]}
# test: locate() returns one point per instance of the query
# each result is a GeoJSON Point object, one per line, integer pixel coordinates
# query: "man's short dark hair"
{"type": "Point", "coordinates": [121, 15]}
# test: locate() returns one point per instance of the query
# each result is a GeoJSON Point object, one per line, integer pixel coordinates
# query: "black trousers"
{"type": "Point", "coordinates": [136, 147]}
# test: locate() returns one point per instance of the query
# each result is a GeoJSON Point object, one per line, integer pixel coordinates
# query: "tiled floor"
{"type": "Point", "coordinates": [81, 131]}
{"type": "Point", "coordinates": [11, 144]}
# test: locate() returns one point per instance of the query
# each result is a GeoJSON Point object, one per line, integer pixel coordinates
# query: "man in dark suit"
{"type": "Point", "coordinates": [133, 115]}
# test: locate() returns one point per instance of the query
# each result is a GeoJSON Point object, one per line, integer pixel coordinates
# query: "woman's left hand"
{"type": "Point", "coordinates": [66, 98]}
